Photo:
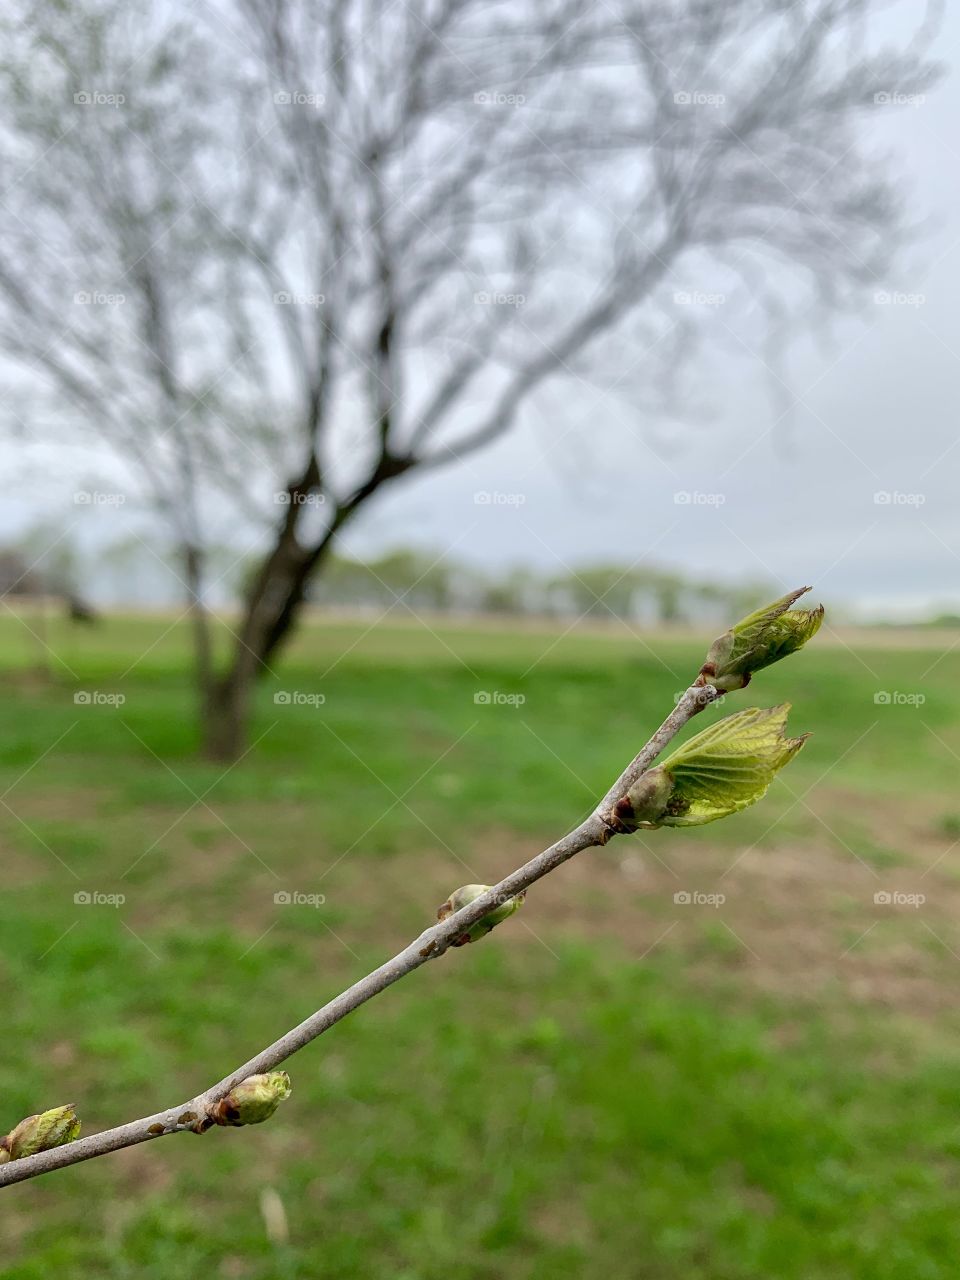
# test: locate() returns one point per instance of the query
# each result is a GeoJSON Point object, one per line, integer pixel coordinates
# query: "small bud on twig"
{"type": "Point", "coordinates": [252, 1100]}
{"type": "Point", "coordinates": [40, 1133]}
{"type": "Point", "coordinates": [759, 640]}
{"type": "Point", "coordinates": [718, 772]}
{"type": "Point", "coordinates": [469, 893]}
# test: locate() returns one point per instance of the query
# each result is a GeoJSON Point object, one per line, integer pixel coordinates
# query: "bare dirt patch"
{"type": "Point", "coordinates": [791, 918]}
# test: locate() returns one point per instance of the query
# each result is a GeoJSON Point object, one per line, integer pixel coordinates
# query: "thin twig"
{"type": "Point", "coordinates": [433, 942]}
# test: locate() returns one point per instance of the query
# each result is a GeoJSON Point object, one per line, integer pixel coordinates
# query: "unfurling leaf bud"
{"type": "Point", "coordinates": [40, 1133]}
{"type": "Point", "coordinates": [718, 772]}
{"type": "Point", "coordinates": [645, 801]}
{"type": "Point", "coordinates": [469, 893]}
{"type": "Point", "coordinates": [758, 640]}
{"type": "Point", "coordinates": [252, 1100]}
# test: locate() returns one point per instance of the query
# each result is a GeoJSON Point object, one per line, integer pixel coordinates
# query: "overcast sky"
{"type": "Point", "coordinates": [794, 498]}
{"type": "Point", "coordinates": [854, 489]}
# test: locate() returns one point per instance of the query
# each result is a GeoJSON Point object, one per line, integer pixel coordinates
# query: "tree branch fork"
{"type": "Point", "coordinates": [195, 1114]}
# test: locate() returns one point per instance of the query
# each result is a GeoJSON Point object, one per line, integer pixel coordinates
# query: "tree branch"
{"type": "Point", "coordinates": [432, 943]}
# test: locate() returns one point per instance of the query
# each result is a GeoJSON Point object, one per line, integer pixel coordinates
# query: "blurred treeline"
{"type": "Point", "coordinates": [142, 572]}
{"type": "Point", "coordinates": [139, 572]}
{"type": "Point", "coordinates": [601, 591]}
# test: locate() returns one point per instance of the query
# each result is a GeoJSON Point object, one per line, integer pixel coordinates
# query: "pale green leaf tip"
{"type": "Point", "coordinates": [758, 640]}
{"type": "Point", "coordinates": [721, 770]}
{"type": "Point", "coordinates": [40, 1133]}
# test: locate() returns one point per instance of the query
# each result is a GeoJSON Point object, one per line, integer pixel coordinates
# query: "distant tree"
{"type": "Point", "coordinates": [668, 591]}
{"type": "Point", "coordinates": [602, 591]}
{"type": "Point", "coordinates": [415, 578]}
{"type": "Point", "coordinates": [43, 566]}
{"type": "Point", "coordinates": [401, 578]}
{"type": "Point", "coordinates": [17, 576]}
{"type": "Point", "coordinates": [346, 582]}
{"type": "Point", "coordinates": [282, 254]}
{"type": "Point", "coordinates": [518, 591]}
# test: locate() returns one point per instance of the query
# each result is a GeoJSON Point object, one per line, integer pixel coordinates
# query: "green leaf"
{"type": "Point", "coordinates": [728, 766]}
{"type": "Point", "coordinates": [762, 638]}
{"type": "Point", "coordinates": [718, 772]}
{"type": "Point", "coordinates": [41, 1132]}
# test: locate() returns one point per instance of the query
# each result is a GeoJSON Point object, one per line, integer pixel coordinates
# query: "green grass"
{"type": "Point", "coordinates": [603, 1104]}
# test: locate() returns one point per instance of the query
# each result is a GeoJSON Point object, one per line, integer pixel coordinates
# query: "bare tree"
{"type": "Point", "coordinates": [354, 242]}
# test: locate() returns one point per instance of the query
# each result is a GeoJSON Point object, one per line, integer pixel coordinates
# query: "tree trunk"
{"type": "Point", "coordinates": [274, 603]}
{"type": "Point", "coordinates": [271, 609]}
{"type": "Point", "coordinates": [200, 623]}
{"type": "Point", "coordinates": [225, 720]}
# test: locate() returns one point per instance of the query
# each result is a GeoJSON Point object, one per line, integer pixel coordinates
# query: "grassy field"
{"type": "Point", "coordinates": [616, 1083]}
